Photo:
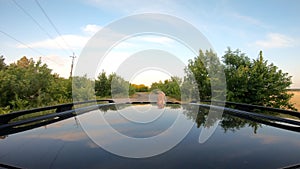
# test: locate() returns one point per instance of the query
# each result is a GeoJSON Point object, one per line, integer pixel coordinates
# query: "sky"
{"type": "Point", "coordinates": [53, 29]}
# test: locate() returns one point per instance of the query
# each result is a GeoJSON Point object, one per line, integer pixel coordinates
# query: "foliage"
{"type": "Point", "coordinates": [61, 90]}
{"type": "Point", "coordinates": [248, 81]}
{"type": "Point", "coordinates": [2, 63]}
{"type": "Point", "coordinates": [170, 87]}
{"type": "Point", "coordinates": [27, 84]}
{"type": "Point", "coordinates": [140, 87]}
{"type": "Point", "coordinates": [256, 81]}
{"type": "Point", "coordinates": [105, 86]}
{"type": "Point", "coordinates": [82, 88]}
{"type": "Point", "coordinates": [119, 86]}
{"type": "Point", "coordinates": [102, 85]}
{"type": "Point", "coordinates": [205, 69]}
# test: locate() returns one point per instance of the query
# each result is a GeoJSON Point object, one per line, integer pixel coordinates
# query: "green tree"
{"type": "Point", "coordinates": [237, 70]}
{"type": "Point", "coordinates": [113, 83]}
{"type": "Point", "coordinates": [206, 69]}
{"type": "Point", "coordinates": [140, 87]}
{"type": "Point", "coordinates": [119, 86]}
{"type": "Point", "coordinates": [102, 85]}
{"type": "Point", "coordinates": [60, 90]}
{"type": "Point", "coordinates": [28, 84]}
{"type": "Point", "coordinates": [82, 88]}
{"type": "Point", "coordinates": [256, 81]}
{"type": "Point", "coordinates": [2, 63]}
{"type": "Point", "coordinates": [171, 87]}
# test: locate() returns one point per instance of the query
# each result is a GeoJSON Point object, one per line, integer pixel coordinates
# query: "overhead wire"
{"type": "Point", "coordinates": [53, 25]}
{"type": "Point", "coordinates": [39, 25]}
{"type": "Point", "coordinates": [10, 36]}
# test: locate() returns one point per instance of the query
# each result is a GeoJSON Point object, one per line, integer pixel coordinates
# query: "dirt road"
{"type": "Point", "coordinates": [140, 96]}
{"type": "Point", "coordinates": [148, 96]}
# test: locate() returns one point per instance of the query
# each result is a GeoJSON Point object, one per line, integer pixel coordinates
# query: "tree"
{"type": "Point", "coordinates": [237, 70]}
{"type": "Point", "coordinates": [256, 82]}
{"type": "Point", "coordinates": [24, 62]}
{"type": "Point", "coordinates": [102, 87]}
{"type": "Point", "coordinates": [29, 84]}
{"type": "Point", "coordinates": [2, 63]}
{"type": "Point", "coordinates": [82, 88]}
{"type": "Point", "coordinates": [25, 84]}
{"type": "Point", "coordinates": [114, 84]}
{"type": "Point", "coordinates": [170, 87]}
{"type": "Point", "coordinates": [119, 86]}
{"type": "Point", "coordinates": [140, 87]}
{"type": "Point", "coordinates": [60, 90]}
{"type": "Point", "coordinates": [173, 87]}
{"type": "Point", "coordinates": [205, 70]}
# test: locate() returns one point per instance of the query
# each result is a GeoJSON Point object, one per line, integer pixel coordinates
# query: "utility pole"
{"type": "Point", "coordinates": [73, 57]}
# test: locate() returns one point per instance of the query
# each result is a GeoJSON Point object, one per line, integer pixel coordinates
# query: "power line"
{"type": "Point", "coordinates": [38, 24]}
{"type": "Point", "coordinates": [8, 35]}
{"type": "Point", "coordinates": [53, 25]}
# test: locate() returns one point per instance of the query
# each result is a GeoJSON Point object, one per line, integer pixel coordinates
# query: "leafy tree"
{"type": "Point", "coordinates": [28, 84]}
{"type": "Point", "coordinates": [102, 87]}
{"type": "Point", "coordinates": [82, 88]}
{"type": "Point", "coordinates": [119, 86]}
{"type": "Point", "coordinates": [106, 85]}
{"type": "Point", "coordinates": [24, 62]}
{"type": "Point", "coordinates": [61, 90]}
{"type": "Point", "coordinates": [7, 86]}
{"type": "Point", "coordinates": [2, 63]}
{"type": "Point", "coordinates": [170, 87]}
{"type": "Point", "coordinates": [173, 87]}
{"type": "Point", "coordinates": [256, 81]}
{"type": "Point", "coordinates": [248, 81]}
{"type": "Point", "coordinates": [206, 69]}
{"type": "Point", "coordinates": [140, 87]}
{"type": "Point", "coordinates": [237, 70]}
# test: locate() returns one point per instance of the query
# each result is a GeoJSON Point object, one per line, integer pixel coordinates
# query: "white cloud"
{"type": "Point", "coordinates": [119, 53]}
{"type": "Point", "coordinates": [65, 42]}
{"type": "Point", "coordinates": [60, 65]}
{"type": "Point", "coordinates": [73, 41]}
{"type": "Point", "coordinates": [91, 29]}
{"type": "Point", "coordinates": [275, 40]}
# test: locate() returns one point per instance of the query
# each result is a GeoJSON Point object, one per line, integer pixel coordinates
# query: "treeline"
{"type": "Point", "coordinates": [170, 87]}
{"type": "Point", "coordinates": [247, 81]}
{"type": "Point", "coordinates": [27, 84]}
{"type": "Point", "coordinates": [106, 85]}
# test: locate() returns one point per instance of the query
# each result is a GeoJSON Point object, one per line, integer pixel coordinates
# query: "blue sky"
{"type": "Point", "coordinates": [272, 26]}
